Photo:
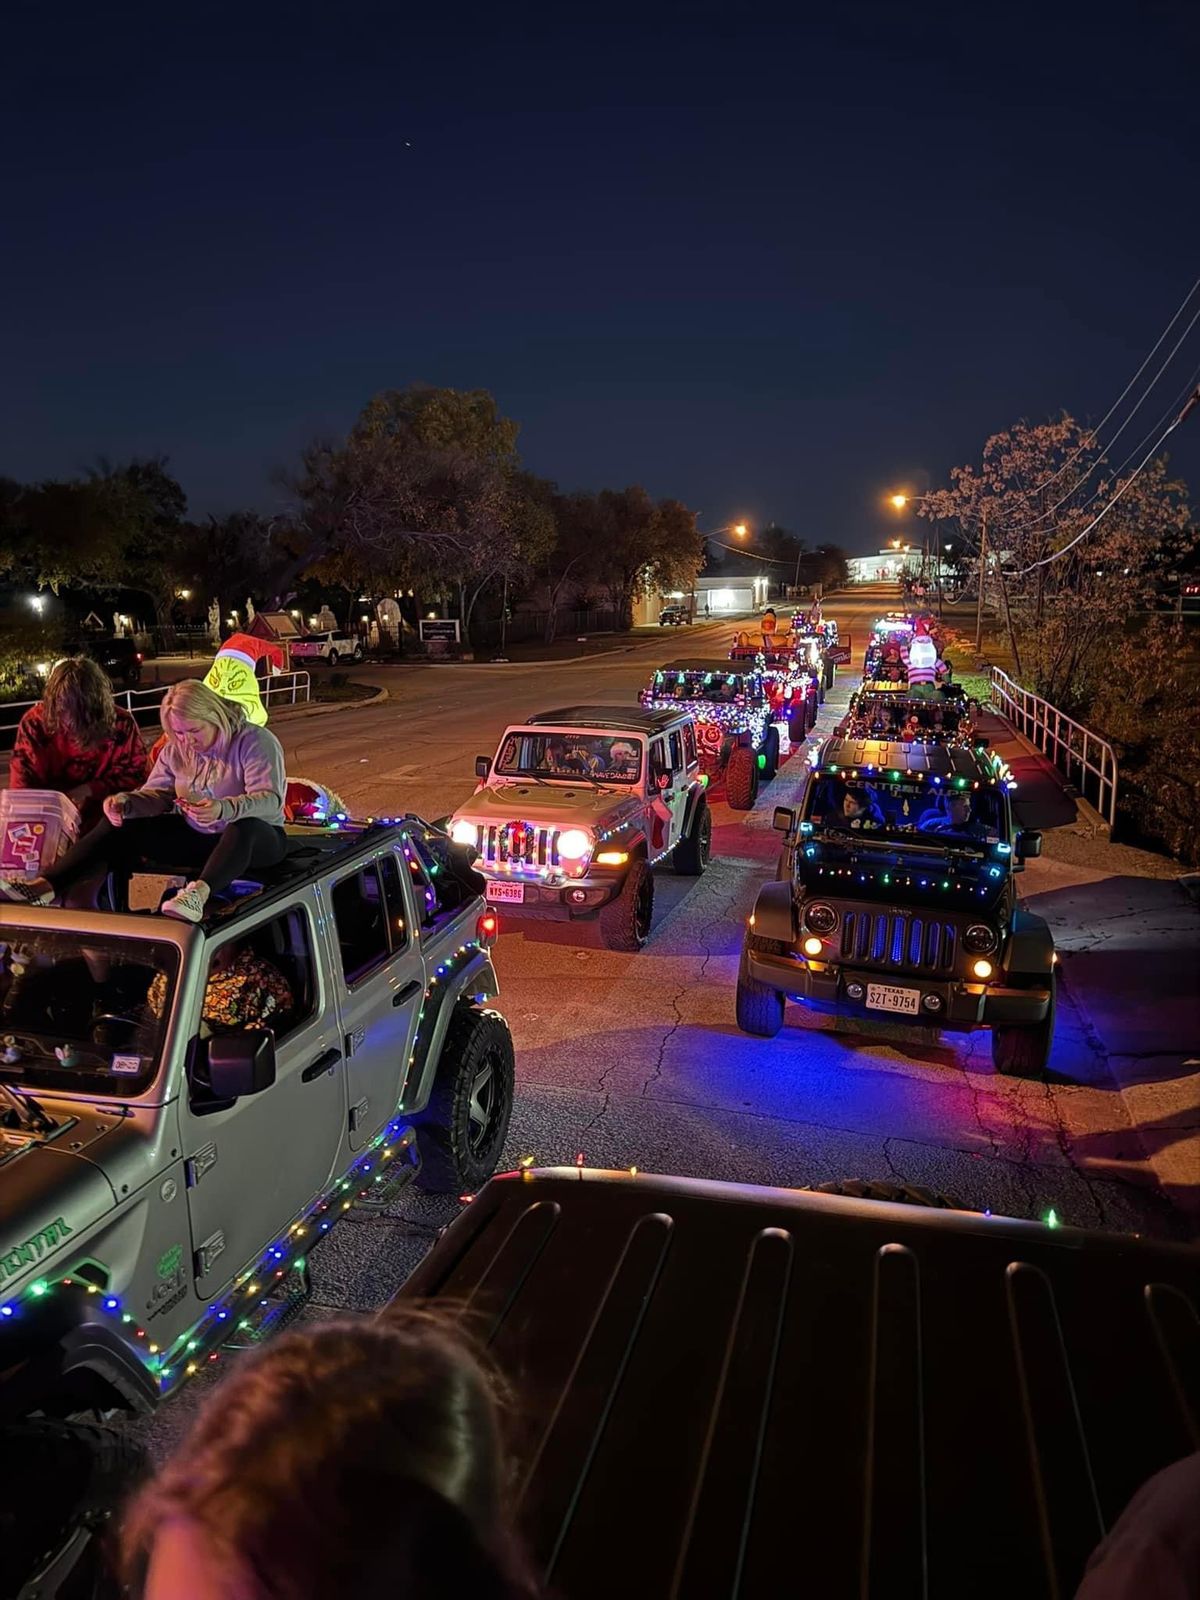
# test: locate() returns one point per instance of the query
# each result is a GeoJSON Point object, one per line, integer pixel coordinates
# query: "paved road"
{"type": "Point", "coordinates": [637, 1060]}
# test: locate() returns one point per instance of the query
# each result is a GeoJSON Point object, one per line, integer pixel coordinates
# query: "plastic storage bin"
{"type": "Point", "coordinates": [36, 826]}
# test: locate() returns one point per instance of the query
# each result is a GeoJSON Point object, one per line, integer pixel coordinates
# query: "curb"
{"type": "Point", "coordinates": [321, 709]}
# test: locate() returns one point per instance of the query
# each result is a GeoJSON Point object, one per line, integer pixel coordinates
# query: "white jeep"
{"type": "Point", "coordinates": [330, 647]}
{"type": "Point", "coordinates": [578, 806]}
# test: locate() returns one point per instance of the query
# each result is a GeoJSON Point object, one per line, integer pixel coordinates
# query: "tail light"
{"type": "Point", "coordinates": [487, 928]}
{"type": "Point", "coordinates": [138, 654]}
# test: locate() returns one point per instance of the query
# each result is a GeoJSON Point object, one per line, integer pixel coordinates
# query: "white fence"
{"type": "Point", "coordinates": [1087, 761]}
{"type": "Point", "coordinates": [286, 688]}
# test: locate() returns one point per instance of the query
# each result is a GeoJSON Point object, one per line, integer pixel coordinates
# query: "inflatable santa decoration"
{"type": "Point", "coordinates": [233, 677]}
{"type": "Point", "coordinates": [922, 656]}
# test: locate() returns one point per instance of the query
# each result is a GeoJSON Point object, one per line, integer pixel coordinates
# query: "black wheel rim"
{"type": "Point", "coordinates": [484, 1104]}
{"type": "Point", "coordinates": [644, 908]}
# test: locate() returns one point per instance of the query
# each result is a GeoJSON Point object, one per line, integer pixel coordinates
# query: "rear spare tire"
{"type": "Point", "coordinates": [741, 778]}
{"type": "Point", "coordinates": [461, 1132]}
{"type": "Point", "coordinates": [625, 921]}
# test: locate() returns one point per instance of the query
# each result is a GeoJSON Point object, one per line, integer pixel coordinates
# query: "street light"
{"type": "Point", "coordinates": [37, 601]}
{"type": "Point", "coordinates": [899, 501]}
{"type": "Point", "coordinates": [740, 529]}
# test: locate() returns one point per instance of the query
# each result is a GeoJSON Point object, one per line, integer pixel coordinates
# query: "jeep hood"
{"type": "Point", "coordinates": [971, 886]}
{"type": "Point", "coordinates": [49, 1194]}
{"type": "Point", "coordinates": [562, 805]}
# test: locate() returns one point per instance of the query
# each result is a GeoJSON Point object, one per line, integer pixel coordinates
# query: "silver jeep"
{"type": "Point", "coordinates": [185, 1111]}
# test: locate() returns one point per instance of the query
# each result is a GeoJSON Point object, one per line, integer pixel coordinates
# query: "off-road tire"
{"type": "Point", "coordinates": [759, 1009]}
{"type": "Point", "coordinates": [625, 921]}
{"type": "Point", "coordinates": [332, 658]}
{"type": "Point", "coordinates": [1025, 1052]}
{"type": "Point", "coordinates": [691, 855]}
{"type": "Point", "coordinates": [830, 673]}
{"type": "Point", "coordinates": [771, 751]}
{"type": "Point", "coordinates": [356, 654]}
{"type": "Point", "coordinates": [741, 778]}
{"type": "Point", "coordinates": [908, 1194]}
{"type": "Point", "coordinates": [460, 1140]}
{"type": "Point", "coordinates": [799, 724]}
{"type": "Point", "coordinates": [56, 1478]}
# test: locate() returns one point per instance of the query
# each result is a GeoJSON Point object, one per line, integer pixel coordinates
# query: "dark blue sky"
{"type": "Point", "coordinates": [767, 265]}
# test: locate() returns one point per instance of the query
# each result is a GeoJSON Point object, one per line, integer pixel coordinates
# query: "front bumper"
{"type": "Point", "coordinates": [963, 1005]}
{"type": "Point", "coordinates": [555, 902]}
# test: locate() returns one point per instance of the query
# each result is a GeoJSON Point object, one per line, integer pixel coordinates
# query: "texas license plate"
{"type": "Point", "coordinates": [885, 997]}
{"type": "Point", "coordinates": [511, 893]}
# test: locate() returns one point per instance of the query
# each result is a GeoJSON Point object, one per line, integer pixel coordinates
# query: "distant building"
{"type": "Point", "coordinates": [886, 567]}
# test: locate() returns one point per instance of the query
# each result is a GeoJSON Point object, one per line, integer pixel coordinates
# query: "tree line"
{"type": "Point", "coordinates": [426, 493]}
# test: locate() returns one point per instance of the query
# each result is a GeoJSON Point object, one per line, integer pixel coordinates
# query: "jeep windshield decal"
{"type": "Point", "coordinates": [911, 813]}
{"type": "Point", "coordinates": [569, 757]}
{"type": "Point", "coordinates": [83, 1014]}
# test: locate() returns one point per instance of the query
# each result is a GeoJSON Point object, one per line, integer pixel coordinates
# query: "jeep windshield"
{"type": "Point", "coordinates": [719, 688]}
{"type": "Point", "coordinates": [83, 1014]}
{"type": "Point", "coordinates": [857, 812]}
{"type": "Point", "coordinates": [568, 757]}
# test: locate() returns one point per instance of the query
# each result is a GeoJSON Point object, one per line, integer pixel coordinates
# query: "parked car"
{"type": "Point", "coordinates": [120, 658]}
{"type": "Point", "coordinates": [735, 721]}
{"type": "Point", "coordinates": [674, 616]}
{"type": "Point", "coordinates": [578, 806]}
{"type": "Point", "coordinates": [186, 1110]}
{"type": "Point", "coordinates": [897, 898]}
{"type": "Point", "coordinates": [329, 648]}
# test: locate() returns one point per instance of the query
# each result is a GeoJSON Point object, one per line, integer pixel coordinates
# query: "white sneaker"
{"type": "Point", "coordinates": [25, 891]}
{"type": "Point", "coordinates": [189, 904]}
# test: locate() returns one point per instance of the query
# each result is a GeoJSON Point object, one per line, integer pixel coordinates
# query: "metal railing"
{"type": "Point", "coordinates": [286, 688]}
{"type": "Point", "coordinates": [1087, 761]}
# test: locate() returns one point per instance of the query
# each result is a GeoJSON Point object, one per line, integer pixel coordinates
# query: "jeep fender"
{"type": "Point", "coordinates": [695, 801]}
{"type": "Point", "coordinates": [476, 983]}
{"type": "Point", "coordinates": [1030, 952]}
{"type": "Point", "coordinates": [773, 913]}
{"type": "Point", "coordinates": [63, 1345]}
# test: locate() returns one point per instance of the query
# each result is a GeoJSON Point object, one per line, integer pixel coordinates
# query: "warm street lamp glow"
{"type": "Point", "coordinates": [899, 501]}
{"type": "Point", "coordinates": [895, 544]}
{"type": "Point", "coordinates": [740, 529]}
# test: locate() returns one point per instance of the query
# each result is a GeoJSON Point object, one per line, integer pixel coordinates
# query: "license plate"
{"type": "Point", "coordinates": [885, 997]}
{"type": "Point", "coordinates": [512, 893]}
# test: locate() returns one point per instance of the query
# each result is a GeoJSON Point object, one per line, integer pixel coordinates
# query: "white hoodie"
{"type": "Point", "coordinates": [248, 779]}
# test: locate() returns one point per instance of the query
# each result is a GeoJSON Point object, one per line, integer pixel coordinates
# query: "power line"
{"type": "Point", "coordinates": [1043, 515]}
{"type": "Point", "coordinates": [1095, 431]}
{"type": "Point", "coordinates": [1193, 402]}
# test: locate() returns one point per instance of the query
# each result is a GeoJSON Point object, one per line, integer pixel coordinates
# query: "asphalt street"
{"type": "Point", "coordinates": [636, 1060]}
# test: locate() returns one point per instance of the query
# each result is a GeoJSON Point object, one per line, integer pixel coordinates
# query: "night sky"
{"type": "Point", "coordinates": [772, 267]}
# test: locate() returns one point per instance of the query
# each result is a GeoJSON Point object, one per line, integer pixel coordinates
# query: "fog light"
{"type": "Point", "coordinates": [982, 969]}
{"type": "Point", "coordinates": [812, 947]}
{"type": "Point", "coordinates": [855, 991]}
{"type": "Point", "coordinates": [932, 1002]}
{"type": "Point", "coordinates": [578, 897]}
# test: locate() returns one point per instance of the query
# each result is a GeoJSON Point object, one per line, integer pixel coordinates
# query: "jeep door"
{"type": "Point", "coordinates": [379, 982]}
{"type": "Point", "coordinates": [667, 755]}
{"type": "Point", "coordinates": [252, 1165]}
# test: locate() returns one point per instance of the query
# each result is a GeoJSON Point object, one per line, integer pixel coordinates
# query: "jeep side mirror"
{"type": "Point", "coordinates": [1029, 844]}
{"type": "Point", "coordinates": [783, 819]}
{"type": "Point", "coordinates": [483, 765]}
{"type": "Point", "coordinates": [240, 1063]}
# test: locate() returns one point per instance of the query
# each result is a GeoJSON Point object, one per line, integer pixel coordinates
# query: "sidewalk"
{"type": "Point", "coordinates": [1128, 940]}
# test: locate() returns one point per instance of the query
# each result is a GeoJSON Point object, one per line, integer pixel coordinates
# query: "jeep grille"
{"type": "Point", "coordinates": [884, 939]}
{"type": "Point", "coordinates": [538, 846]}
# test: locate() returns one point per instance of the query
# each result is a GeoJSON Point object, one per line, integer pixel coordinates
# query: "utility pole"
{"type": "Point", "coordinates": [982, 581]}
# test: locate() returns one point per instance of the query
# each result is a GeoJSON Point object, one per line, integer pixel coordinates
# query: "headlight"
{"type": "Point", "coordinates": [979, 939]}
{"type": "Point", "coordinates": [463, 832]}
{"type": "Point", "coordinates": [573, 844]}
{"type": "Point", "coordinates": [820, 918]}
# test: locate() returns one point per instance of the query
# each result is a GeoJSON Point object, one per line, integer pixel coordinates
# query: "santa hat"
{"type": "Point", "coordinates": [245, 647]}
{"type": "Point", "coordinates": [921, 631]}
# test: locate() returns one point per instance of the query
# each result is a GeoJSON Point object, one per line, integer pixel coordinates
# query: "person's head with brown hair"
{"type": "Point", "coordinates": [358, 1458]}
{"type": "Point", "coordinates": [77, 702]}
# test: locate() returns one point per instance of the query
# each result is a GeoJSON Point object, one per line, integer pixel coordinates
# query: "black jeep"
{"type": "Point", "coordinates": [897, 898]}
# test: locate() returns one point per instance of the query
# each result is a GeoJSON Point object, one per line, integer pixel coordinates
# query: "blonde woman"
{"type": "Point", "coordinates": [213, 805]}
